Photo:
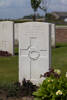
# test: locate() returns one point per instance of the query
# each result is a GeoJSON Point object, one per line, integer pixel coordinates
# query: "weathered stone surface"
{"type": "Point", "coordinates": [16, 27]}
{"type": "Point", "coordinates": [53, 35]}
{"type": "Point", "coordinates": [34, 50]}
{"type": "Point", "coordinates": [7, 37]}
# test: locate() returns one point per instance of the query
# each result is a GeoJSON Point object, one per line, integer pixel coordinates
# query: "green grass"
{"type": "Point", "coordinates": [9, 65]}
{"type": "Point", "coordinates": [9, 68]}
{"type": "Point", "coordinates": [59, 57]}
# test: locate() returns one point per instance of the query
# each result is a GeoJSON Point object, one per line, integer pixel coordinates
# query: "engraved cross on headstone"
{"type": "Point", "coordinates": [32, 53]}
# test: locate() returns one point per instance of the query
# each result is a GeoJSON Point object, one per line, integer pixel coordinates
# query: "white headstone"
{"type": "Point", "coordinates": [7, 36]}
{"type": "Point", "coordinates": [16, 33]}
{"type": "Point", "coordinates": [34, 51]}
{"type": "Point", "coordinates": [53, 35]}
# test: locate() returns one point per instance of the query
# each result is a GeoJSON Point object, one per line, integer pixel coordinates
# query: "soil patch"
{"type": "Point", "coordinates": [5, 53]}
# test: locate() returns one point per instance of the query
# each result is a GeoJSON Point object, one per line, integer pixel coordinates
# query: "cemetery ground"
{"type": "Point", "coordinates": [9, 66]}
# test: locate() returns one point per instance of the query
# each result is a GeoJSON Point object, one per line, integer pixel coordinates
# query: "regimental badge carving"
{"type": "Point", "coordinates": [34, 55]}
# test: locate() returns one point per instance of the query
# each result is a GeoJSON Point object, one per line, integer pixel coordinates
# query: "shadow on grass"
{"type": "Point", "coordinates": [59, 45]}
{"type": "Point", "coordinates": [16, 51]}
{"type": "Point", "coordinates": [16, 54]}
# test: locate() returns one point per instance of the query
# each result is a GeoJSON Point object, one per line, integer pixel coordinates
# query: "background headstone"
{"type": "Point", "coordinates": [7, 37]}
{"type": "Point", "coordinates": [53, 35]}
{"type": "Point", "coordinates": [16, 27]}
{"type": "Point", "coordinates": [34, 50]}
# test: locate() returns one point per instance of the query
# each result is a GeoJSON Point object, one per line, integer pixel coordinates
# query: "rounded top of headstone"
{"type": "Point", "coordinates": [6, 21]}
{"type": "Point", "coordinates": [35, 23]}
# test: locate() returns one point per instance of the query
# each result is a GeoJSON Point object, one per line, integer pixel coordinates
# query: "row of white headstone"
{"type": "Point", "coordinates": [35, 39]}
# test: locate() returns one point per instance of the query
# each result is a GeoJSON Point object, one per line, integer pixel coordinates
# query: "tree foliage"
{"type": "Point", "coordinates": [35, 4]}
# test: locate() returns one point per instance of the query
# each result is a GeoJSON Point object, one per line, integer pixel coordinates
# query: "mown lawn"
{"type": "Point", "coordinates": [9, 68]}
{"type": "Point", "coordinates": [9, 65]}
{"type": "Point", "coordinates": [59, 57]}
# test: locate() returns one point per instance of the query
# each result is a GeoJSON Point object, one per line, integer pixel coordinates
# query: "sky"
{"type": "Point", "coordinates": [20, 8]}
